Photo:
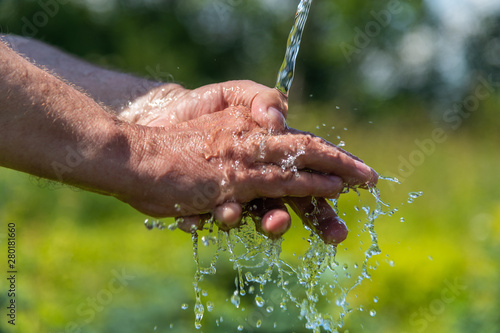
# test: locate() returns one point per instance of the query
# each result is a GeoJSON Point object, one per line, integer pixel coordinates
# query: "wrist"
{"type": "Point", "coordinates": [145, 173]}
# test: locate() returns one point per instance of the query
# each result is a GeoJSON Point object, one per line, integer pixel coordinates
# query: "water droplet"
{"type": "Point", "coordinates": [210, 306]}
{"type": "Point", "coordinates": [375, 299]}
{"type": "Point", "coordinates": [258, 324]}
{"type": "Point", "coordinates": [391, 179]}
{"type": "Point", "coordinates": [184, 306]}
{"type": "Point", "coordinates": [235, 299]}
{"type": "Point", "coordinates": [240, 328]}
{"type": "Point", "coordinates": [148, 224]}
{"type": "Point", "coordinates": [414, 195]}
{"type": "Point", "coordinates": [402, 220]}
{"type": "Point", "coordinates": [430, 258]}
{"type": "Point", "coordinates": [373, 313]}
{"type": "Point", "coordinates": [259, 301]}
{"type": "Point", "coordinates": [269, 309]}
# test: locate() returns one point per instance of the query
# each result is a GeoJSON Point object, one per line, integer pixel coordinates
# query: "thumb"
{"type": "Point", "coordinates": [269, 109]}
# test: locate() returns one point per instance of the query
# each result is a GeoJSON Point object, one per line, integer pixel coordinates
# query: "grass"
{"type": "Point", "coordinates": [438, 271]}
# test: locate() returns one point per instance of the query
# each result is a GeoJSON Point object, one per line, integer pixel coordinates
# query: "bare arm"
{"type": "Point", "coordinates": [46, 129]}
{"type": "Point", "coordinates": [111, 88]}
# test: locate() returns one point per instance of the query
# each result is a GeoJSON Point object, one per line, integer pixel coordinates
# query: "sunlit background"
{"type": "Point", "coordinates": [411, 87]}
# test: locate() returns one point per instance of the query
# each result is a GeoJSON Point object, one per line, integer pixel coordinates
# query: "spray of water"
{"type": "Point", "coordinates": [315, 283]}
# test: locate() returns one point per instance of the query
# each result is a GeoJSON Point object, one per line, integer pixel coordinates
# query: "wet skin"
{"type": "Point", "coordinates": [241, 161]}
{"type": "Point", "coordinates": [268, 108]}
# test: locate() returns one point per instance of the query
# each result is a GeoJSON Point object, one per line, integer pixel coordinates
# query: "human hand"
{"type": "Point", "coordinates": [227, 157]}
{"type": "Point", "coordinates": [171, 104]}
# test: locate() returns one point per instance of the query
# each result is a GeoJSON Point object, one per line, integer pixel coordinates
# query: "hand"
{"type": "Point", "coordinates": [227, 157]}
{"type": "Point", "coordinates": [171, 104]}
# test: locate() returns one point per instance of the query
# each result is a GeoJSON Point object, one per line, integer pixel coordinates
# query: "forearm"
{"type": "Point", "coordinates": [113, 89]}
{"type": "Point", "coordinates": [51, 130]}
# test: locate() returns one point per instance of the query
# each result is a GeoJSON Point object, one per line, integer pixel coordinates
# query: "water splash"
{"type": "Point", "coordinates": [287, 70]}
{"type": "Point", "coordinates": [306, 284]}
{"type": "Point", "coordinates": [414, 195]}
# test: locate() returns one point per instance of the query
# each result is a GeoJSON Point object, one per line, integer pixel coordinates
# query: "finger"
{"type": "Point", "coordinates": [306, 151]}
{"type": "Point", "coordinates": [228, 215]}
{"type": "Point", "coordinates": [270, 181]}
{"type": "Point", "coordinates": [269, 106]}
{"type": "Point", "coordinates": [271, 216]}
{"type": "Point", "coordinates": [320, 216]}
{"type": "Point", "coordinates": [269, 109]}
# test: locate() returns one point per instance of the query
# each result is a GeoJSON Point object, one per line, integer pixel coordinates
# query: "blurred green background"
{"type": "Point", "coordinates": [415, 83]}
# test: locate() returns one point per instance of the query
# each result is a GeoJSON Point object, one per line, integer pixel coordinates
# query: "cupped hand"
{"type": "Point", "coordinates": [226, 156]}
{"type": "Point", "coordinates": [172, 104]}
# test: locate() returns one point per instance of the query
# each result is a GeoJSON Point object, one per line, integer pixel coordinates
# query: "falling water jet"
{"type": "Point", "coordinates": [287, 70]}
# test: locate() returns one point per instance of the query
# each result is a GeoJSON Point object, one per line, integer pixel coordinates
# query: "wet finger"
{"type": "Point", "coordinates": [268, 106]}
{"type": "Point", "coordinates": [305, 151]}
{"type": "Point", "coordinates": [269, 109]}
{"type": "Point", "coordinates": [228, 215]}
{"type": "Point", "coordinates": [271, 181]}
{"type": "Point", "coordinates": [318, 215]}
{"type": "Point", "coordinates": [271, 216]}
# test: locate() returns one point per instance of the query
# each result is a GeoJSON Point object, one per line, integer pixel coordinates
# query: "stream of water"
{"type": "Point", "coordinates": [287, 70]}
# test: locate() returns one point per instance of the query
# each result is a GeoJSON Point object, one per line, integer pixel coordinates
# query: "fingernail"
{"type": "Point", "coordinates": [365, 169]}
{"type": "Point", "coordinates": [276, 117]}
